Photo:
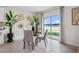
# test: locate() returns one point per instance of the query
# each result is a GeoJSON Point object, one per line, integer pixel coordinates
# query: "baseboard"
{"type": "Point", "coordinates": [68, 44]}
{"type": "Point", "coordinates": [78, 50]}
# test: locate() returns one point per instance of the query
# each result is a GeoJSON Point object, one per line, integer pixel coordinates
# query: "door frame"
{"type": "Point", "coordinates": [61, 24]}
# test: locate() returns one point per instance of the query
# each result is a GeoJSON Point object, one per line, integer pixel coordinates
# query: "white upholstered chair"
{"type": "Point", "coordinates": [28, 38]}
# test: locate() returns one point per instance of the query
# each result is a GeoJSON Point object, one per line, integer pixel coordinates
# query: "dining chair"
{"type": "Point", "coordinates": [28, 38]}
{"type": "Point", "coordinates": [43, 37]}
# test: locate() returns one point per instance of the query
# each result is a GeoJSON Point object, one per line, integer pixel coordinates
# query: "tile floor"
{"type": "Point", "coordinates": [53, 46]}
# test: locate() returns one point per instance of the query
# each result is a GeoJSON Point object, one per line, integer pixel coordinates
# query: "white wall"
{"type": "Point", "coordinates": [1, 14]}
{"type": "Point", "coordinates": [1, 25]}
{"type": "Point", "coordinates": [71, 32]}
{"type": "Point", "coordinates": [52, 12]}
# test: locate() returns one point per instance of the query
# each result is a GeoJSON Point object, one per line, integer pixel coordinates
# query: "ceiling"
{"type": "Point", "coordinates": [37, 8]}
{"type": "Point", "coordinates": [34, 8]}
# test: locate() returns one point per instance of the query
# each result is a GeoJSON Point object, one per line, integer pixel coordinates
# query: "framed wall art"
{"type": "Point", "coordinates": [75, 16]}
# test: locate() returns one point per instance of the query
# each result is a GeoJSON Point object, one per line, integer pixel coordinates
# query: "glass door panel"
{"type": "Point", "coordinates": [52, 23]}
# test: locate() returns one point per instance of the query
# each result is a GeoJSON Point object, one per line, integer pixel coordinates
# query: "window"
{"type": "Point", "coordinates": [52, 23]}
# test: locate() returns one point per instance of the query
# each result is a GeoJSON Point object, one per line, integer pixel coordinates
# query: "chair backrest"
{"type": "Point", "coordinates": [28, 35]}
{"type": "Point", "coordinates": [45, 33]}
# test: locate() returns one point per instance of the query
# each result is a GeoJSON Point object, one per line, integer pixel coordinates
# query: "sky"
{"type": "Point", "coordinates": [54, 19]}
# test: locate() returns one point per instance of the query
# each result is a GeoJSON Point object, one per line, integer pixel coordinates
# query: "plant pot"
{"type": "Point", "coordinates": [33, 29]}
{"type": "Point", "coordinates": [10, 37]}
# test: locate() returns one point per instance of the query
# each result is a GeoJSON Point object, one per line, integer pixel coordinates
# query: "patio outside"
{"type": "Point", "coordinates": [52, 23]}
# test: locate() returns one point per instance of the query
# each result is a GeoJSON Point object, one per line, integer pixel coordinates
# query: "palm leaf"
{"type": "Point", "coordinates": [7, 24]}
{"type": "Point", "coordinates": [38, 19]}
{"type": "Point", "coordinates": [14, 16]}
{"type": "Point", "coordinates": [10, 13]}
{"type": "Point", "coordinates": [34, 18]}
{"type": "Point", "coordinates": [7, 17]}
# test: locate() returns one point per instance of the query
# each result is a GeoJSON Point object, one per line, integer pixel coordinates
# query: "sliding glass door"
{"type": "Point", "coordinates": [52, 23]}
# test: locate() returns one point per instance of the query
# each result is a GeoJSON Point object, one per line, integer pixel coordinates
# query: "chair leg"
{"type": "Point", "coordinates": [28, 43]}
{"type": "Point", "coordinates": [39, 40]}
{"type": "Point", "coordinates": [45, 43]}
{"type": "Point", "coordinates": [32, 45]}
{"type": "Point", "coordinates": [36, 42]}
{"type": "Point", "coordinates": [24, 45]}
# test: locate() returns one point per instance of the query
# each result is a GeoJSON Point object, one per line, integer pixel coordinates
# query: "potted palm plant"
{"type": "Point", "coordinates": [35, 24]}
{"type": "Point", "coordinates": [10, 21]}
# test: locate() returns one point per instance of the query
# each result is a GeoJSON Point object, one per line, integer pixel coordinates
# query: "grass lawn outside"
{"type": "Point", "coordinates": [54, 33]}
